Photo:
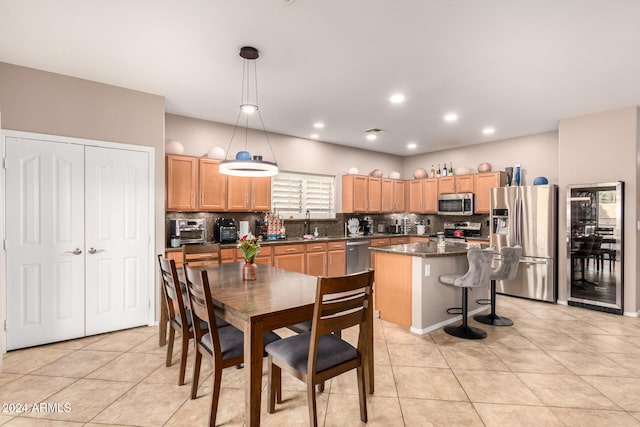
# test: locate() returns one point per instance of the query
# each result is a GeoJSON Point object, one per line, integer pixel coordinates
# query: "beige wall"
{"type": "Point", "coordinates": [537, 155]}
{"type": "Point", "coordinates": [602, 147]}
{"type": "Point", "coordinates": [293, 154]}
{"type": "Point", "coordinates": [42, 102]}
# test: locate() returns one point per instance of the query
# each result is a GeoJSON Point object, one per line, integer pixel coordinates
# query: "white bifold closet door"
{"type": "Point", "coordinates": [76, 240]}
{"type": "Point", "coordinates": [117, 239]}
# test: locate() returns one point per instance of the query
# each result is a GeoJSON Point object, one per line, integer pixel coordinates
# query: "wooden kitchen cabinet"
{"type": "Point", "coordinates": [483, 183]}
{"type": "Point", "coordinates": [423, 195]}
{"type": "Point", "coordinates": [248, 194]}
{"type": "Point", "coordinates": [181, 183]}
{"type": "Point", "coordinates": [464, 183]}
{"type": "Point", "coordinates": [393, 195]}
{"type": "Point", "coordinates": [377, 242]}
{"type": "Point", "coordinates": [289, 257]}
{"type": "Point", "coordinates": [264, 255]}
{"type": "Point", "coordinates": [212, 186]}
{"type": "Point", "coordinates": [447, 185]}
{"type": "Point", "coordinates": [361, 194]}
{"type": "Point", "coordinates": [456, 184]}
{"type": "Point", "coordinates": [195, 184]}
{"type": "Point", "coordinates": [316, 259]}
{"type": "Point", "coordinates": [336, 258]}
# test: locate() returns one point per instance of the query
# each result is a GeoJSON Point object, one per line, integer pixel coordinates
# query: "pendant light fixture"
{"type": "Point", "coordinates": [245, 164]}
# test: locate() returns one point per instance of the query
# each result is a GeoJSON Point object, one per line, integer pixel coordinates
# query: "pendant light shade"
{"type": "Point", "coordinates": [244, 163]}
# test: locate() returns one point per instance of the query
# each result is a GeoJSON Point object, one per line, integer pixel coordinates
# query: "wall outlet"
{"type": "Point", "coordinates": [427, 270]}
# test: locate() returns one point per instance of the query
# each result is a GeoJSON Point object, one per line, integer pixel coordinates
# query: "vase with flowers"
{"type": "Point", "coordinates": [249, 245]}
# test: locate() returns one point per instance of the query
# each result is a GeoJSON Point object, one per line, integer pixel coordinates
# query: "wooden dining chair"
{"type": "Point", "coordinates": [179, 314]}
{"type": "Point", "coordinates": [225, 346]}
{"type": "Point", "coordinates": [316, 356]}
{"type": "Point", "coordinates": [205, 254]}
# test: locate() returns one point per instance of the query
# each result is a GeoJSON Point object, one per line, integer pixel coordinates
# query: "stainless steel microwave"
{"type": "Point", "coordinates": [455, 204]}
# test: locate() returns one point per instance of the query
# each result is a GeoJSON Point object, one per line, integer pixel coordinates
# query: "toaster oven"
{"type": "Point", "coordinates": [187, 231]}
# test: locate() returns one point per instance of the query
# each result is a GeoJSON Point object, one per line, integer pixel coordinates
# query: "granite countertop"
{"type": "Point", "coordinates": [319, 239]}
{"type": "Point", "coordinates": [425, 249]}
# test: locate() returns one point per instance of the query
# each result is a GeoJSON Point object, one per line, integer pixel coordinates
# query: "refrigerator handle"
{"type": "Point", "coordinates": [518, 221]}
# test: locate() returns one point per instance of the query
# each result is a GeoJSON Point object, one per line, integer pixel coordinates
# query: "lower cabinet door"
{"type": "Point", "coordinates": [336, 263]}
{"type": "Point", "coordinates": [291, 262]}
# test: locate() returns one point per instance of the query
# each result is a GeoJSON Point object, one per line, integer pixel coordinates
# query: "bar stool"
{"type": "Point", "coordinates": [476, 276]}
{"type": "Point", "coordinates": [507, 270]}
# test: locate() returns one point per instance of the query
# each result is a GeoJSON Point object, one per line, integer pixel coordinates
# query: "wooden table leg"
{"type": "Point", "coordinates": [253, 351]}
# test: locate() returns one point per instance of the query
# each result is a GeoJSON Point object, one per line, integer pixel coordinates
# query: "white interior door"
{"type": "Point", "coordinates": [117, 239]}
{"type": "Point", "coordinates": [45, 241]}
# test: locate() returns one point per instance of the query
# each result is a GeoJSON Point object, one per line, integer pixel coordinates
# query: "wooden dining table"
{"type": "Point", "coordinates": [276, 299]}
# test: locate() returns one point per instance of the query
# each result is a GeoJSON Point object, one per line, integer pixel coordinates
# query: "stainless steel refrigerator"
{"type": "Point", "coordinates": [527, 216]}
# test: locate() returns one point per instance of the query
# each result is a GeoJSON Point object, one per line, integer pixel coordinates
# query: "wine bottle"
{"type": "Point", "coordinates": [432, 172]}
{"type": "Point", "coordinates": [438, 172]}
{"type": "Point", "coordinates": [444, 169]}
{"type": "Point", "coordinates": [450, 168]}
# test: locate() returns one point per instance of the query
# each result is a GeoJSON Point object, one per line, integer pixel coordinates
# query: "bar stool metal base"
{"type": "Point", "coordinates": [493, 319]}
{"type": "Point", "coordinates": [466, 332]}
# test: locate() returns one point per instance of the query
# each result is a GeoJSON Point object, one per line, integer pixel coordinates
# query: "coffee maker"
{"type": "Point", "coordinates": [225, 230]}
{"type": "Point", "coordinates": [366, 225]}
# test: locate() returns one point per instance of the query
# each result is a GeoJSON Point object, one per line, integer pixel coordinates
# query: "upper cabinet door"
{"type": "Point", "coordinates": [464, 183]}
{"type": "Point", "coordinates": [261, 194]}
{"type": "Point", "coordinates": [398, 196]}
{"type": "Point", "coordinates": [415, 196]}
{"type": "Point", "coordinates": [483, 183]}
{"type": "Point", "coordinates": [447, 185]}
{"type": "Point", "coordinates": [213, 186]}
{"type": "Point", "coordinates": [238, 188]}
{"type": "Point", "coordinates": [387, 194]}
{"type": "Point", "coordinates": [430, 195]}
{"type": "Point", "coordinates": [182, 183]}
{"type": "Point", "coordinates": [354, 193]}
{"type": "Point", "coordinates": [374, 203]}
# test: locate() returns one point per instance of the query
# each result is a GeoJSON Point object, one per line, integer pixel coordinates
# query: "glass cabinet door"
{"type": "Point", "coordinates": [594, 213]}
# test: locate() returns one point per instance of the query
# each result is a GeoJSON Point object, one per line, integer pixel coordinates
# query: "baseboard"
{"type": "Point", "coordinates": [447, 322]}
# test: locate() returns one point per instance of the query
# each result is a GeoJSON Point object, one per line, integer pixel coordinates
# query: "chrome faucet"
{"type": "Point", "coordinates": [307, 223]}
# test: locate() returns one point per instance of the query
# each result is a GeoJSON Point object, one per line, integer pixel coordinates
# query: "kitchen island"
{"type": "Point", "coordinates": [407, 286]}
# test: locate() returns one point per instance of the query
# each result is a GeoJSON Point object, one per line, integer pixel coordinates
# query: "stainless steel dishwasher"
{"type": "Point", "coordinates": [358, 255]}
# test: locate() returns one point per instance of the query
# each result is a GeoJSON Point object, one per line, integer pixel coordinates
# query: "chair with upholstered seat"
{"type": "Point", "coordinates": [205, 254]}
{"type": "Point", "coordinates": [316, 356]}
{"type": "Point", "coordinates": [507, 270]}
{"type": "Point", "coordinates": [179, 312]}
{"type": "Point", "coordinates": [476, 276]}
{"type": "Point", "coordinates": [225, 346]}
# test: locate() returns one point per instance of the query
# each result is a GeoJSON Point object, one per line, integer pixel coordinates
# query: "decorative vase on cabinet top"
{"type": "Point", "coordinates": [484, 167]}
{"type": "Point", "coordinates": [419, 173]}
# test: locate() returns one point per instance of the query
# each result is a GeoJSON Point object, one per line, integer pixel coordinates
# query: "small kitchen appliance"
{"type": "Point", "coordinates": [186, 231]}
{"type": "Point", "coordinates": [455, 204]}
{"type": "Point", "coordinates": [366, 225]}
{"type": "Point", "coordinates": [225, 230]}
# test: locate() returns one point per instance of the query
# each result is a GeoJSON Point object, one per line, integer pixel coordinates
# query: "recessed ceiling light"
{"type": "Point", "coordinates": [371, 136]}
{"type": "Point", "coordinates": [314, 136]}
{"type": "Point", "coordinates": [488, 130]}
{"type": "Point", "coordinates": [318, 125]}
{"type": "Point", "coordinates": [397, 98]}
{"type": "Point", "coordinates": [412, 145]}
{"type": "Point", "coordinates": [450, 117]}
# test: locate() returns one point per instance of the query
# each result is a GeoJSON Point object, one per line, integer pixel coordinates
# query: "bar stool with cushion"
{"type": "Point", "coordinates": [507, 270]}
{"type": "Point", "coordinates": [316, 356]}
{"type": "Point", "coordinates": [225, 345]}
{"type": "Point", "coordinates": [476, 276]}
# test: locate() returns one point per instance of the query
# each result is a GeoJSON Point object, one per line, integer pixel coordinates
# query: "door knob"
{"type": "Point", "coordinates": [76, 251]}
{"type": "Point", "coordinates": [95, 251]}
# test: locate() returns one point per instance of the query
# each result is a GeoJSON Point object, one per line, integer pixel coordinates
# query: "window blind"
{"type": "Point", "coordinates": [293, 193]}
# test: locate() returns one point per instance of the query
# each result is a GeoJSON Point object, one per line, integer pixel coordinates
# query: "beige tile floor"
{"type": "Point", "coordinates": [557, 366]}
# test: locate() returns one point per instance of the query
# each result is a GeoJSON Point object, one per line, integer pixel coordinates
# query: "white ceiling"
{"type": "Point", "coordinates": [516, 65]}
